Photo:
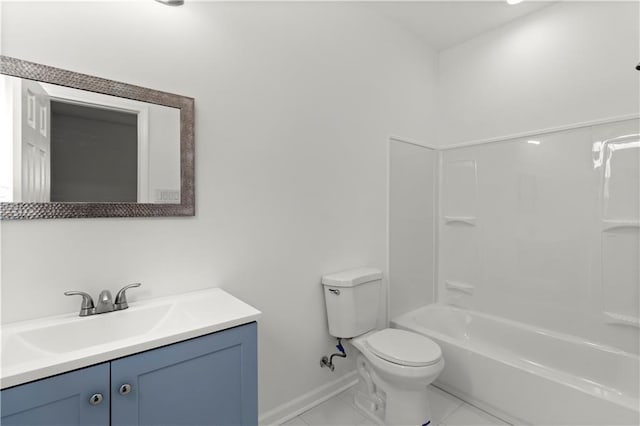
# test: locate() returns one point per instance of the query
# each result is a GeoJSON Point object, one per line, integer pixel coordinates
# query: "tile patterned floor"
{"type": "Point", "coordinates": [447, 411]}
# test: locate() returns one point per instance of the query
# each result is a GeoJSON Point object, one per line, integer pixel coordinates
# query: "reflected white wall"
{"type": "Point", "coordinates": [164, 152]}
{"type": "Point", "coordinates": [6, 134]}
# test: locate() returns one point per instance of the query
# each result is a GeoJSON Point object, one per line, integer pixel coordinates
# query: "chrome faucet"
{"type": "Point", "coordinates": [105, 302]}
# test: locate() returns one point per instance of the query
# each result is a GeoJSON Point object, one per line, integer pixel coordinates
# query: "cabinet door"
{"type": "Point", "coordinates": [209, 380]}
{"type": "Point", "coordinates": [59, 400]}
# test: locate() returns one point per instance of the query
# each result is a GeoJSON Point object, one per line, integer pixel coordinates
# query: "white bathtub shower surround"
{"type": "Point", "coordinates": [545, 230]}
{"type": "Point", "coordinates": [412, 226]}
{"type": "Point", "coordinates": [529, 374]}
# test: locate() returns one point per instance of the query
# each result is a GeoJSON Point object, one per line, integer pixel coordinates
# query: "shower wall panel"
{"type": "Point", "coordinates": [546, 231]}
{"type": "Point", "coordinates": [412, 226]}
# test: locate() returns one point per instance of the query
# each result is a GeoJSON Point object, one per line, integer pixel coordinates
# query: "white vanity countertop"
{"type": "Point", "coordinates": [36, 349]}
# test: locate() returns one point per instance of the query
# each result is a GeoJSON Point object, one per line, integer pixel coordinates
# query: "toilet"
{"type": "Point", "coordinates": [394, 366]}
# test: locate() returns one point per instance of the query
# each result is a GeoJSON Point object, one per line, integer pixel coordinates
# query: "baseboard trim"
{"type": "Point", "coordinates": [291, 409]}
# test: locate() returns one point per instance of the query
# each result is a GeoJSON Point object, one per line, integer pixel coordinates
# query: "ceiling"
{"type": "Point", "coordinates": [443, 24]}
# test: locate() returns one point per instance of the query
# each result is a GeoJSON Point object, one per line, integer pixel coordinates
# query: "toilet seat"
{"type": "Point", "coordinates": [403, 347]}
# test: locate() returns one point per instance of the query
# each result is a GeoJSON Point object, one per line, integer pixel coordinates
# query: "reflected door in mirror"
{"type": "Point", "coordinates": [33, 159]}
{"type": "Point", "coordinates": [71, 145]}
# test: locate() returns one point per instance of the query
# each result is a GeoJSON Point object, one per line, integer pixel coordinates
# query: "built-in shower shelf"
{"type": "Point", "coordinates": [621, 319]}
{"type": "Point", "coordinates": [608, 225]}
{"type": "Point", "coordinates": [459, 286]}
{"type": "Point", "coordinates": [467, 220]}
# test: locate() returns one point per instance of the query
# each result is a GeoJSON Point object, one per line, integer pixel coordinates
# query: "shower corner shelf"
{"type": "Point", "coordinates": [621, 319]}
{"type": "Point", "coordinates": [459, 286]}
{"type": "Point", "coordinates": [468, 220]}
{"type": "Point", "coordinates": [610, 224]}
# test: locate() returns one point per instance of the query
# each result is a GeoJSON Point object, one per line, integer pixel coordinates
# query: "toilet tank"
{"type": "Point", "coordinates": [352, 299]}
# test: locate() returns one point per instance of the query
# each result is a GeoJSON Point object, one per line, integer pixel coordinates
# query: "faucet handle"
{"type": "Point", "coordinates": [121, 296]}
{"type": "Point", "coordinates": [87, 307]}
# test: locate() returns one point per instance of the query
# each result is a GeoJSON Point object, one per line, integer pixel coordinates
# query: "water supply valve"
{"type": "Point", "coordinates": [328, 361]}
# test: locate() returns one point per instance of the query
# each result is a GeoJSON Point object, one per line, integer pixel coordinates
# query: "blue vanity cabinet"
{"type": "Point", "coordinates": [80, 397]}
{"type": "Point", "coordinates": [209, 380]}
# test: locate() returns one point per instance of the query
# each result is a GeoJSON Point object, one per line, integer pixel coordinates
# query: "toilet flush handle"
{"type": "Point", "coordinates": [335, 291]}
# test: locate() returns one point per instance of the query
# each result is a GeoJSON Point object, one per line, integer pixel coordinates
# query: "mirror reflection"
{"type": "Point", "coordinates": [60, 144]}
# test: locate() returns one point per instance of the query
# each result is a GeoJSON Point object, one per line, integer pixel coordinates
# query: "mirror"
{"type": "Point", "coordinates": [73, 145]}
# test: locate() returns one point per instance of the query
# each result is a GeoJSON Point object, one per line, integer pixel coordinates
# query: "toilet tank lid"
{"type": "Point", "coordinates": [352, 277]}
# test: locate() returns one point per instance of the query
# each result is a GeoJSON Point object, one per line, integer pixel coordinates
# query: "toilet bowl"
{"type": "Point", "coordinates": [396, 367]}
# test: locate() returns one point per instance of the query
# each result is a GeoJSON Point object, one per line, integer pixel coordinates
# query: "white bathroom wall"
{"type": "Point", "coordinates": [544, 230]}
{"type": "Point", "coordinates": [294, 105]}
{"type": "Point", "coordinates": [412, 226]}
{"type": "Point", "coordinates": [571, 62]}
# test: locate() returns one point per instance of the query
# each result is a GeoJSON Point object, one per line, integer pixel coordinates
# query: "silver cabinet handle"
{"type": "Point", "coordinates": [96, 399]}
{"type": "Point", "coordinates": [125, 389]}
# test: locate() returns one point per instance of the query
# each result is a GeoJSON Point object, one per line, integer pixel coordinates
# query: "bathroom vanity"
{"type": "Point", "coordinates": [186, 360]}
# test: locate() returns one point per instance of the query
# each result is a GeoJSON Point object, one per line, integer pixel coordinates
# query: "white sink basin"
{"type": "Point", "coordinates": [73, 335]}
{"type": "Point", "coordinates": [47, 346]}
{"type": "Point", "coordinates": [15, 351]}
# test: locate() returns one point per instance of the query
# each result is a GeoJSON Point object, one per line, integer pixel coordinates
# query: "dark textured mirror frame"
{"type": "Point", "coordinates": [33, 71]}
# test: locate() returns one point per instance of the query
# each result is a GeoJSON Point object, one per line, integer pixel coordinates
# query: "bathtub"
{"type": "Point", "coordinates": [529, 375]}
